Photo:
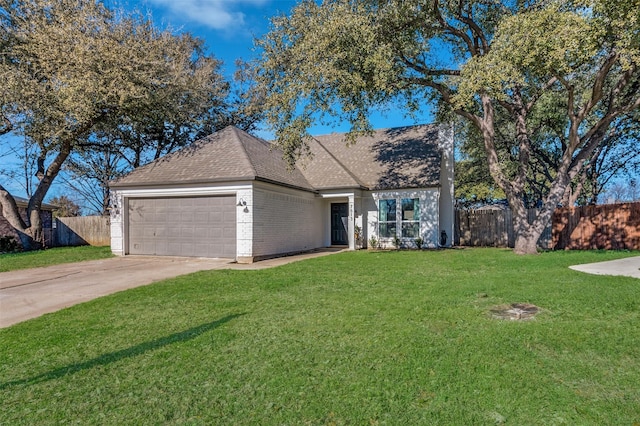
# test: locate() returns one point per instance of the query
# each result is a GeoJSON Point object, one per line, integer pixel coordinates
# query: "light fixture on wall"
{"type": "Point", "coordinates": [243, 203]}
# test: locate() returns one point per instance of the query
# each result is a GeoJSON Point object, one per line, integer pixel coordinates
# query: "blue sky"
{"type": "Point", "coordinates": [229, 28]}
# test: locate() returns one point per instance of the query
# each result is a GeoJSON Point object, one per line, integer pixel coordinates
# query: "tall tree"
{"type": "Point", "coordinates": [476, 59]}
{"type": "Point", "coordinates": [66, 207]}
{"type": "Point", "coordinates": [72, 67]}
{"type": "Point", "coordinates": [114, 151]}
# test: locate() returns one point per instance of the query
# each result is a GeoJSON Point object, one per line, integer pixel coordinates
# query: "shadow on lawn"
{"type": "Point", "coordinates": [108, 358]}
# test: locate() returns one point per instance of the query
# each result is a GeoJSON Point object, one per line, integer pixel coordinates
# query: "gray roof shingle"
{"type": "Point", "coordinates": [403, 157]}
{"type": "Point", "coordinates": [228, 155]}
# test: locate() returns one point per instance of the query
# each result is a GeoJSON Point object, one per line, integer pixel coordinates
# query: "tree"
{"type": "Point", "coordinates": [474, 185]}
{"type": "Point", "coordinates": [615, 157]}
{"type": "Point", "coordinates": [90, 172]}
{"type": "Point", "coordinates": [116, 151]}
{"type": "Point", "coordinates": [478, 60]}
{"type": "Point", "coordinates": [71, 68]}
{"type": "Point", "coordinates": [66, 206]}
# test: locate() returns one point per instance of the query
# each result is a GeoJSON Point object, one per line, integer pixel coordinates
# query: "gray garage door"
{"type": "Point", "coordinates": [185, 226]}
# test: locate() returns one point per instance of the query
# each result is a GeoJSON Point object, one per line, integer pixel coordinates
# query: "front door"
{"type": "Point", "coordinates": [339, 224]}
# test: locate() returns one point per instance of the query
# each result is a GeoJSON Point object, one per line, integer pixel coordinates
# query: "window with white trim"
{"type": "Point", "coordinates": [399, 217]}
{"type": "Point", "coordinates": [410, 217]}
{"type": "Point", "coordinates": [387, 218]}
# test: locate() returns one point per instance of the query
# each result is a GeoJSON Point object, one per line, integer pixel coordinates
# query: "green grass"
{"type": "Point", "coordinates": [357, 338]}
{"type": "Point", "coordinates": [53, 256]}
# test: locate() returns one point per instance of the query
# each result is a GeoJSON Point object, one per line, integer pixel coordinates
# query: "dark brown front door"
{"type": "Point", "coordinates": [339, 224]}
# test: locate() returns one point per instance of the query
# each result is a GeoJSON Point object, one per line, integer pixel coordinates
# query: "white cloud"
{"type": "Point", "coordinates": [216, 14]}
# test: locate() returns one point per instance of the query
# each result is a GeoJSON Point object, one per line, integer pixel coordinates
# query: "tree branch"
{"type": "Point", "coordinates": [453, 30]}
{"type": "Point", "coordinates": [10, 210]}
{"type": "Point", "coordinates": [544, 88]}
{"type": "Point", "coordinates": [7, 127]}
{"type": "Point", "coordinates": [597, 92]}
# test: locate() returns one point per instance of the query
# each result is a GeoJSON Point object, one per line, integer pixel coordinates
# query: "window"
{"type": "Point", "coordinates": [387, 219]}
{"type": "Point", "coordinates": [399, 217]}
{"type": "Point", "coordinates": [410, 217]}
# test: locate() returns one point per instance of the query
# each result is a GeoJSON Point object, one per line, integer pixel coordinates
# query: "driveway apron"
{"type": "Point", "coordinates": [29, 293]}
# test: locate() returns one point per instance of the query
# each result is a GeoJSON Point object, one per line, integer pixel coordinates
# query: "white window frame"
{"type": "Point", "coordinates": [399, 219]}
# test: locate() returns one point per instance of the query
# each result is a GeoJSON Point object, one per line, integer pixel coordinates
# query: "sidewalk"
{"type": "Point", "coordinates": [629, 267]}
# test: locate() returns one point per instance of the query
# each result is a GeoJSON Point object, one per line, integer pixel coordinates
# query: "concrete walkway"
{"type": "Point", "coordinates": [29, 293]}
{"type": "Point", "coordinates": [629, 267]}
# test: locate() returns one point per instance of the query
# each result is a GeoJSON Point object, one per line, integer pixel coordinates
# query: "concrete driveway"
{"type": "Point", "coordinates": [629, 267]}
{"type": "Point", "coordinates": [29, 293]}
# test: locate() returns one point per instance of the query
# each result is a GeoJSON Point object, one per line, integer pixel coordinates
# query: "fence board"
{"type": "Point", "coordinates": [82, 230]}
{"type": "Point", "coordinates": [492, 228]}
{"type": "Point", "coordinates": [608, 226]}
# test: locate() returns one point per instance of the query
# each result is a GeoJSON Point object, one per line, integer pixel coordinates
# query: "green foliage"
{"type": "Point", "coordinates": [395, 337]}
{"type": "Point", "coordinates": [75, 71]}
{"type": "Point", "coordinates": [8, 244]}
{"type": "Point", "coordinates": [373, 242]}
{"type": "Point", "coordinates": [419, 242]}
{"type": "Point", "coordinates": [66, 207]}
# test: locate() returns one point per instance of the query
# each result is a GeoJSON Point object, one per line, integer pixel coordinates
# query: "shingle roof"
{"type": "Point", "coordinates": [403, 157]}
{"type": "Point", "coordinates": [228, 155]}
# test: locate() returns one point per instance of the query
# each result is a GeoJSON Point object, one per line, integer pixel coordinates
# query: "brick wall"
{"type": "Point", "coordinates": [285, 221]}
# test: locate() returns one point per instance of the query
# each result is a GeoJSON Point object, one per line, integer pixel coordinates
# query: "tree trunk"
{"type": "Point", "coordinates": [30, 231]}
{"type": "Point", "coordinates": [31, 235]}
{"type": "Point", "coordinates": [526, 243]}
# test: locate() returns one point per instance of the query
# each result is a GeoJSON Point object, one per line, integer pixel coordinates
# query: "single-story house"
{"type": "Point", "coordinates": [231, 195]}
{"type": "Point", "coordinates": [46, 215]}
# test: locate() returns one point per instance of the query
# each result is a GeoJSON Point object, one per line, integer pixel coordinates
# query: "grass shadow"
{"type": "Point", "coordinates": [130, 352]}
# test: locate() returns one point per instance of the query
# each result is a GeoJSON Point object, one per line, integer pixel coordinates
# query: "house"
{"type": "Point", "coordinates": [231, 195]}
{"type": "Point", "coordinates": [46, 215]}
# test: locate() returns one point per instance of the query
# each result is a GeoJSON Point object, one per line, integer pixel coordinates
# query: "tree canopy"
{"type": "Point", "coordinates": [556, 76]}
{"type": "Point", "coordinates": [71, 68]}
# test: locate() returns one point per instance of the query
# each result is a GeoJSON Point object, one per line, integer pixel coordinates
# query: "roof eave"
{"type": "Point", "coordinates": [183, 182]}
{"type": "Point", "coordinates": [286, 185]}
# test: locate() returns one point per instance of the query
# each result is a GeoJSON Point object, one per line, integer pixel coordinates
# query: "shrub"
{"type": "Point", "coordinates": [373, 243]}
{"type": "Point", "coordinates": [358, 236]}
{"type": "Point", "coordinates": [419, 242]}
{"type": "Point", "coordinates": [8, 244]}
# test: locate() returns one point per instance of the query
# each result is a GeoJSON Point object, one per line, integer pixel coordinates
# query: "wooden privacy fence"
{"type": "Point", "coordinates": [609, 226]}
{"type": "Point", "coordinates": [82, 230]}
{"type": "Point", "coordinates": [493, 228]}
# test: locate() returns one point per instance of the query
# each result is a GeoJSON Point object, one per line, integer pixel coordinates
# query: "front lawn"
{"type": "Point", "coordinates": [53, 256]}
{"type": "Point", "coordinates": [358, 338]}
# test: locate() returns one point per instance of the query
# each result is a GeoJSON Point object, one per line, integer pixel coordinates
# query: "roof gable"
{"type": "Point", "coordinates": [403, 157]}
{"type": "Point", "coordinates": [228, 155]}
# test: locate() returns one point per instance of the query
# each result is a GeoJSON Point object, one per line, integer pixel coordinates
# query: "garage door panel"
{"type": "Point", "coordinates": [201, 216]}
{"type": "Point", "coordinates": [189, 226]}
